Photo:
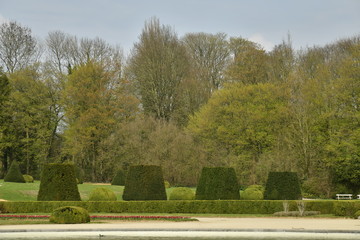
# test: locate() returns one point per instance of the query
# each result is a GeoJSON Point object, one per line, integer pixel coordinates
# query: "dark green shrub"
{"type": "Point", "coordinates": [282, 186]}
{"type": "Point", "coordinates": [102, 194]}
{"type": "Point", "coordinates": [253, 192]}
{"type": "Point", "coordinates": [218, 183]}
{"type": "Point", "coordinates": [14, 174]}
{"type": "Point", "coordinates": [28, 178]}
{"type": "Point", "coordinates": [70, 214]}
{"type": "Point", "coordinates": [144, 183]}
{"type": "Point", "coordinates": [58, 183]}
{"type": "Point", "coordinates": [119, 178]}
{"type": "Point", "coordinates": [182, 193]}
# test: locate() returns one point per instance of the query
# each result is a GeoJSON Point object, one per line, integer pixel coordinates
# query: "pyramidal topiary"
{"type": "Point", "coordinates": [218, 183]}
{"type": "Point", "coordinates": [144, 182]}
{"type": "Point", "coordinates": [14, 174]}
{"type": "Point", "coordinates": [282, 186]}
{"type": "Point", "coordinates": [58, 183]}
{"type": "Point", "coordinates": [119, 178]}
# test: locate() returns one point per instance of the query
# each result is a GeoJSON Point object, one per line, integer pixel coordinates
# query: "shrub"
{"type": "Point", "coordinates": [58, 183]}
{"type": "Point", "coordinates": [357, 215]}
{"type": "Point", "coordinates": [28, 178]}
{"type": "Point", "coordinates": [119, 178]}
{"type": "Point", "coordinates": [282, 186]}
{"type": "Point", "coordinates": [346, 207]}
{"type": "Point", "coordinates": [70, 214]}
{"type": "Point", "coordinates": [144, 183]}
{"type": "Point", "coordinates": [167, 184]}
{"type": "Point", "coordinates": [218, 183]}
{"type": "Point", "coordinates": [102, 194]}
{"type": "Point", "coordinates": [182, 193]}
{"type": "Point", "coordinates": [253, 192]}
{"type": "Point", "coordinates": [14, 174]}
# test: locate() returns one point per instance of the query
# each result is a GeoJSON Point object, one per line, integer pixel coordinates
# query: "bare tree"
{"type": "Point", "coordinates": [18, 48]}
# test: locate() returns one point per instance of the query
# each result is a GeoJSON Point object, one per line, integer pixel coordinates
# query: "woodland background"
{"type": "Point", "coordinates": [182, 103]}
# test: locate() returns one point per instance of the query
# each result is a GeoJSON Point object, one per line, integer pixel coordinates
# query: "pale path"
{"type": "Point", "coordinates": [277, 227]}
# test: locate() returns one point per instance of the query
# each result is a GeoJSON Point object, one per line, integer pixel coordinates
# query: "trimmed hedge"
{"type": "Point", "coordinates": [144, 182]}
{"type": "Point", "coordinates": [70, 215]}
{"type": "Point", "coordinates": [218, 183]}
{"type": "Point", "coordinates": [14, 174]}
{"type": "Point", "coordinates": [195, 206]}
{"type": "Point", "coordinates": [58, 183]}
{"type": "Point", "coordinates": [102, 194]}
{"type": "Point", "coordinates": [119, 178]}
{"type": "Point", "coordinates": [282, 186]}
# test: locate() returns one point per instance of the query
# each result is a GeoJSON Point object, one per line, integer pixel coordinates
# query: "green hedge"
{"type": "Point", "coordinates": [209, 206]}
{"type": "Point", "coordinates": [144, 182]}
{"type": "Point", "coordinates": [282, 186]}
{"type": "Point", "coordinates": [218, 183]}
{"type": "Point", "coordinates": [119, 178]}
{"type": "Point", "coordinates": [58, 183]}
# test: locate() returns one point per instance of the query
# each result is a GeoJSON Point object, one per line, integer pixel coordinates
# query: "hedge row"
{"type": "Point", "coordinates": [340, 208]}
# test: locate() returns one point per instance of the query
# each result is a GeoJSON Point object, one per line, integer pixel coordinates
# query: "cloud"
{"type": "Point", "coordinates": [266, 44]}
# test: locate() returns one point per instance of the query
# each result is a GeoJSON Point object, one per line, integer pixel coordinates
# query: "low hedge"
{"type": "Point", "coordinates": [341, 208]}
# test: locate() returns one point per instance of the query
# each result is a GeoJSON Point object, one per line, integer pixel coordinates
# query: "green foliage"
{"type": "Point", "coordinates": [253, 192]}
{"type": "Point", "coordinates": [357, 214]}
{"type": "Point", "coordinates": [14, 174]}
{"type": "Point", "coordinates": [167, 184]}
{"type": "Point", "coordinates": [70, 215]}
{"type": "Point", "coordinates": [282, 186]}
{"type": "Point", "coordinates": [218, 183]}
{"type": "Point", "coordinates": [346, 208]}
{"type": "Point", "coordinates": [208, 206]}
{"type": "Point", "coordinates": [28, 178]}
{"type": "Point", "coordinates": [102, 194]}
{"type": "Point", "coordinates": [58, 183]}
{"type": "Point", "coordinates": [119, 178]}
{"type": "Point", "coordinates": [182, 193]}
{"type": "Point", "coordinates": [144, 182]}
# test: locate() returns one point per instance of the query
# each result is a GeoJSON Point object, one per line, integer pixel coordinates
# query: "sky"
{"type": "Point", "coordinates": [120, 22]}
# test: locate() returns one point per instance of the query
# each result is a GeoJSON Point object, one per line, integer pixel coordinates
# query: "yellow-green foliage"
{"type": "Point", "coordinates": [182, 193]}
{"type": "Point", "coordinates": [102, 194]}
{"type": "Point", "coordinates": [28, 178]}
{"type": "Point", "coordinates": [253, 192]}
{"type": "Point", "coordinates": [70, 214]}
{"type": "Point", "coordinates": [167, 184]}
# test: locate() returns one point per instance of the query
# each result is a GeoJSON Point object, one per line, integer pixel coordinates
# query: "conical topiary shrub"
{"type": "Point", "coordinates": [218, 183]}
{"type": "Point", "coordinates": [58, 183]}
{"type": "Point", "coordinates": [144, 183]}
{"type": "Point", "coordinates": [119, 178]}
{"type": "Point", "coordinates": [282, 186]}
{"type": "Point", "coordinates": [14, 174]}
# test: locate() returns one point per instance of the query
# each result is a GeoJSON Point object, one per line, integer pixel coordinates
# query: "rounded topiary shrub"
{"type": "Point", "coordinates": [58, 183]}
{"type": "Point", "coordinates": [218, 183]}
{"type": "Point", "coordinates": [182, 193]}
{"type": "Point", "coordinates": [119, 178]}
{"type": "Point", "coordinates": [282, 186]}
{"type": "Point", "coordinates": [144, 182]}
{"type": "Point", "coordinates": [14, 174]}
{"type": "Point", "coordinates": [102, 194]}
{"type": "Point", "coordinates": [253, 192]}
{"type": "Point", "coordinates": [70, 215]}
{"type": "Point", "coordinates": [28, 178]}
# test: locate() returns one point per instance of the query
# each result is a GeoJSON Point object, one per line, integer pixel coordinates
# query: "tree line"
{"type": "Point", "coordinates": [183, 103]}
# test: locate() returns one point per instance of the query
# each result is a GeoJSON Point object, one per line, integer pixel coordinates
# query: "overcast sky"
{"type": "Point", "coordinates": [309, 22]}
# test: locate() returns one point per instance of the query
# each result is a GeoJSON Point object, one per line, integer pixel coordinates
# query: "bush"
{"type": "Point", "coordinates": [167, 184]}
{"type": "Point", "coordinates": [58, 183]}
{"type": "Point", "coordinates": [282, 186]}
{"type": "Point", "coordinates": [144, 183]}
{"type": "Point", "coordinates": [102, 194]}
{"type": "Point", "coordinates": [14, 174]}
{"type": "Point", "coordinates": [182, 193]}
{"type": "Point", "coordinates": [218, 183]}
{"type": "Point", "coordinates": [253, 192]}
{"type": "Point", "coordinates": [70, 214]}
{"type": "Point", "coordinates": [357, 215]}
{"type": "Point", "coordinates": [346, 208]}
{"type": "Point", "coordinates": [28, 178]}
{"type": "Point", "coordinates": [119, 178]}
